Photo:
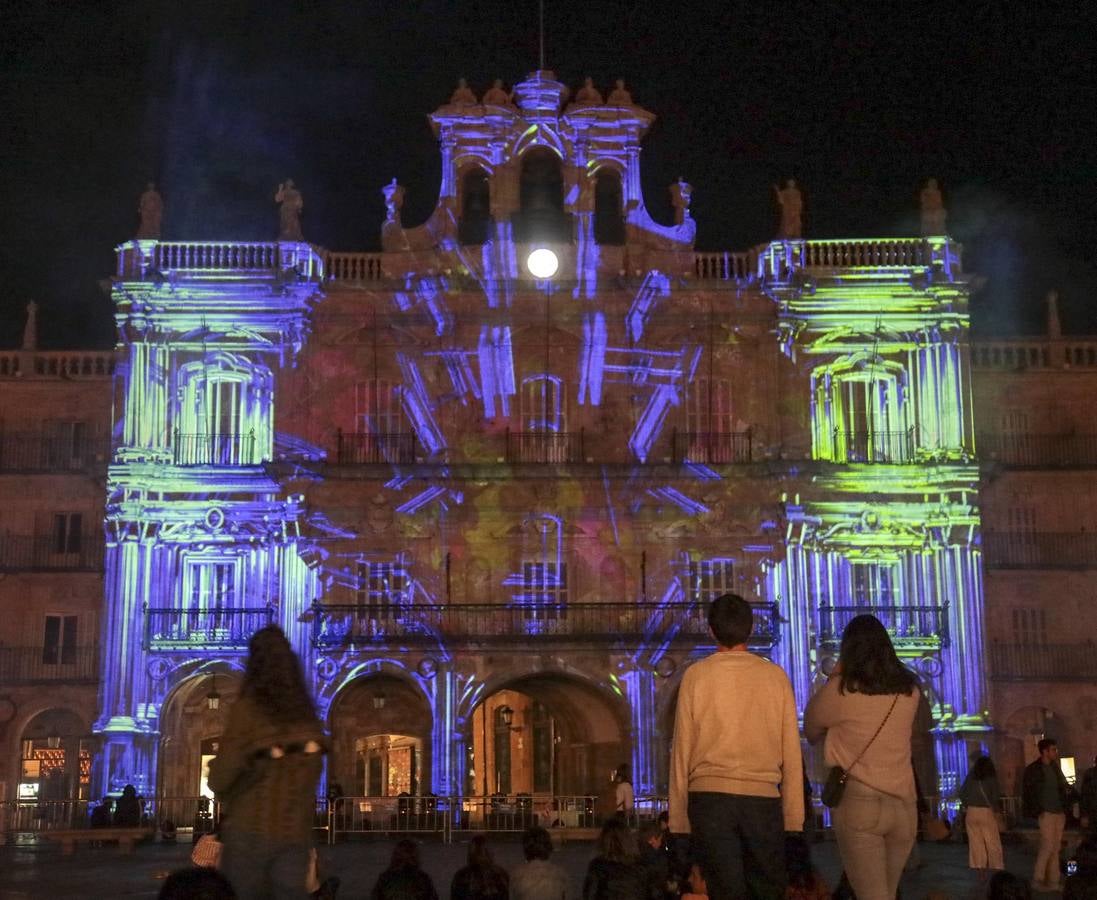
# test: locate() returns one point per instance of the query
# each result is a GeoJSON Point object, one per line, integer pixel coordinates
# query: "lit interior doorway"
{"type": "Point", "coordinates": [56, 758]}
{"type": "Point", "coordinates": [191, 724]}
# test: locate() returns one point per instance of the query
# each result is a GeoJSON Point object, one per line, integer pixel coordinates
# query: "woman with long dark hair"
{"type": "Point", "coordinates": [866, 712]}
{"type": "Point", "coordinates": [266, 772]}
{"type": "Point", "coordinates": [615, 873]}
{"type": "Point", "coordinates": [481, 879]}
{"type": "Point", "coordinates": [404, 879]}
{"type": "Point", "coordinates": [981, 797]}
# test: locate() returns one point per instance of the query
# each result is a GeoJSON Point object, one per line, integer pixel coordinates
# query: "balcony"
{"type": "Point", "coordinates": [225, 629]}
{"type": "Point", "coordinates": [36, 452]}
{"type": "Point", "coordinates": [473, 624]}
{"type": "Point", "coordinates": [544, 446]}
{"type": "Point", "coordinates": [173, 261]}
{"type": "Point", "coordinates": [357, 448]}
{"type": "Point", "coordinates": [44, 553]}
{"type": "Point", "coordinates": [913, 629]}
{"type": "Point", "coordinates": [29, 665]}
{"type": "Point", "coordinates": [215, 449]}
{"type": "Point", "coordinates": [1043, 662]}
{"type": "Point", "coordinates": [1039, 451]}
{"type": "Point", "coordinates": [712, 447]}
{"type": "Point", "coordinates": [894, 447]}
{"type": "Point", "coordinates": [1039, 550]}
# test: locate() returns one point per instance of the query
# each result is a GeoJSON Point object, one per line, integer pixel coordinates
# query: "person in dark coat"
{"type": "Point", "coordinates": [615, 873]}
{"type": "Point", "coordinates": [481, 879]}
{"type": "Point", "coordinates": [404, 879]}
{"type": "Point", "coordinates": [127, 809]}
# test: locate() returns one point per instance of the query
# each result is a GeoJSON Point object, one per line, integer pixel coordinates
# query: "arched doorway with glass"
{"type": "Point", "coordinates": [380, 730]}
{"type": "Point", "coordinates": [540, 739]}
{"type": "Point", "coordinates": [192, 720]}
{"type": "Point", "coordinates": [55, 760]}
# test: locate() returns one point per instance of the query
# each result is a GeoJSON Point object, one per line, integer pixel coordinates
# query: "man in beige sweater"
{"type": "Point", "coordinates": [736, 771]}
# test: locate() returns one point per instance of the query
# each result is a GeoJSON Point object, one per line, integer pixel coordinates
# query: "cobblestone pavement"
{"type": "Point", "coordinates": [34, 870]}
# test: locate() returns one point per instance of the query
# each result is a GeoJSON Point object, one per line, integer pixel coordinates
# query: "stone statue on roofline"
{"type": "Point", "coordinates": [497, 95]}
{"type": "Point", "coordinates": [681, 192]}
{"type": "Point", "coordinates": [394, 201]}
{"type": "Point", "coordinates": [30, 330]}
{"type": "Point", "coordinates": [934, 213]}
{"type": "Point", "coordinates": [289, 214]}
{"type": "Point", "coordinates": [463, 95]}
{"type": "Point", "coordinates": [791, 202]}
{"type": "Point", "coordinates": [150, 209]}
{"type": "Point", "coordinates": [588, 94]}
{"type": "Point", "coordinates": [619, 96]}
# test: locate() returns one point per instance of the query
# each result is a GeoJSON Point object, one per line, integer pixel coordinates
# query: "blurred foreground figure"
{"type": "Point", "coordinates": [266, 774]}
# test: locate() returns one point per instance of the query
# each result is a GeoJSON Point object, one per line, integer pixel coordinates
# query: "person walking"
{"type": "Point", "coordinates": [1045, 797]}
{"type": "Point", "coordinates": [537, 878]}
{"type": "Point", "coordinates": [736, 769]}
{"type": "Point", "coordinates": [266, 774]}
{"type": "Point", "coordinates": [981, 798]}
{"type": "Point", "coordinates": [615, 873]}
{"type": "Point", "coordinates": [1088, 799]}
{"type": "Point", "coordinates": [865, 715]}
{"type": "Point", "coordinates": [404, 879]}
{"type": "Point", "coordinates": [623, 794]}
{"type": "Point", "coordinates": [481, 879]}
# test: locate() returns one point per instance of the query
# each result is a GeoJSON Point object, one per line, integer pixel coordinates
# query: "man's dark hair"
{"type": "Point", "coordinates": [1045, 743]}
{"type": "Point", "coordinates": [731, 620]}
{"type": "Point", "coordinates": [647, 831]}
{"type": "Point", "coordinates": [536, 843]}
{"type": "Point", "coordinates": [196, 884]}
{"type": "Point", "coordinates": [1007, 886]}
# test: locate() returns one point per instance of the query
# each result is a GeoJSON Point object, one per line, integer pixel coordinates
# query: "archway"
{"type": "Point", "coordinates": [541, 215]}
{"type": "Point", "coordinates": [1020, 734]}
{"type": "Point", "coordinates": [56, 755]}
{"type": "Point", "coordinates": [474, 226]}
{"type": "Point", "coordinates": [380, 728]}
{"type": "Point", "coordinates": [609, 209]}
{"type": "Point", "coordinates": [191, 723]}
{"type": "Point", "coordinates": [547, 734]}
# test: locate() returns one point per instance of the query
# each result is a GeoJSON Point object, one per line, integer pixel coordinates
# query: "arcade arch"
{"type": "Point", "coordinates": [55, 757]}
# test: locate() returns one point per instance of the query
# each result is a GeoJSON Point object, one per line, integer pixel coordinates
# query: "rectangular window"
{"type": "Point", "coordinates": [710, 578]}
{"type": "Point", "coordinates": [68, 444]}
{"type": "Point", "coordinates": [212, 586]}
{"type": "Point", "coordinates": [545, 589]}
{"type": "Point", "coordinates": [872, 584]}
{"type": "Point", "coordinates": [67, 530]}
{"type": "Point", "coordinates": [382, 588]}
{"type": "Point", "coordinates": [59, 641]}
{"type": "Point", "coordinates": [377, 407]}
{"type": "Point", "coordinates": [1029, 626]}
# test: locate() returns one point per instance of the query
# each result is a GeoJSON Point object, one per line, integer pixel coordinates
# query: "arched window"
{"type": "Point", "coordinates": [609, 212]}
{"type": "Point", "coordinates": [474, 226]}
{"type": "Point", "coordinates": [861, 412]}
{"type": "Point", "coordinates": [224, 412]}
{"type": "Point", "coordinates": [541, 215]}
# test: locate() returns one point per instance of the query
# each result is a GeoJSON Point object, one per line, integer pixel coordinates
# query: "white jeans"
{"type": "Point", "coordinates": [875, 834]}
{"type": "Point", "coordinates": [984, 846]}
{"type": "Point", "coordinates": [1051, 840]}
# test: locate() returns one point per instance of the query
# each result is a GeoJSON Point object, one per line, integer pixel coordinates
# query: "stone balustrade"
{"type": "Point", "coordinates": [723, 266]}
{"type": "Point", "coordinates": [67, 364]}
{"type": "Point", "coordinates": [353, 268]}
{"type": "Point", "coordinates": [169, 260]}
{"type": "Point", "coordinates": [1034, 353]}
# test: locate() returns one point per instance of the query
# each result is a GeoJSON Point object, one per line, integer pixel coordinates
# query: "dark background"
{"type": "Point", "coordinates": [860, 101]}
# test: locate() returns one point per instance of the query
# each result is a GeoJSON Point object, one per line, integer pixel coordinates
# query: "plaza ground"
{"type": "Point", "coordinates": [36, 869]}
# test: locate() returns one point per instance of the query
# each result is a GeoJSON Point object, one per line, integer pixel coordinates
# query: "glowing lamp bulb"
{"type": "Point", "coordinates": [542, 263]}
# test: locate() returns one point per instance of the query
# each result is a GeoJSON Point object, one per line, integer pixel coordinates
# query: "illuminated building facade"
{"type": "Point", "coordinates": [489, 510]}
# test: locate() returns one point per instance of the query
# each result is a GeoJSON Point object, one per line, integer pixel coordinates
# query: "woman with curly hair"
{"type": "Point", "coordinates": [266, 772]}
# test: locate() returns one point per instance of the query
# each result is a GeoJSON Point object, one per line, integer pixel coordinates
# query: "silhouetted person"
{"type": "Point", "coordinates": [196, 884]}
{"type": "Point", "coordinates": [481, 879]}
{"type": "Point", "coordinates": [537, 878]}
{"type": "Point", "coordinates": [615, 873]}
{"type": "Point", "coordinates": [404, 879]}
{"type": "Point", "coordinates": [127, 809]}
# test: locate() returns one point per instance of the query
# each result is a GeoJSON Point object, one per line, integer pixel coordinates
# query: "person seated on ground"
{"type": "Point", "coordinates": [698, 888]}
{"type": "Point", "coordinates": [100, 816]}
{"type": "Point", "coordinates": [804, 883]}
{"type": "Point", "coordinates": [196, 884]}
{"type": "Point", "coordinates": [1082, 885]}
{"type": "Point", "coordinates": [616, 871]}
{"type": "Point", "coordinates": [167, 832]}
{"type": "Point", "coordinates": [481, 878]}
{"type": "Point", "coordinates": [537, 878]}
{"type": "Point", "coordinates": [127, 809]}
{"type": "Point", "coordinates": [404, 879]}
{"type": "Point", "coordinates": [1007, 886]}
{"type": "Point", "coordinates": [655, 862]}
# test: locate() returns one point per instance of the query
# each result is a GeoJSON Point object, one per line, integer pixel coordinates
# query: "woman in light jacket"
{"type": "Point", "coordinates": [866, 712]}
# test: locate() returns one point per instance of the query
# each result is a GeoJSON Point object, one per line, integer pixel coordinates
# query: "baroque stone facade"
{"type": "Point", "coordinates": [489, 509]}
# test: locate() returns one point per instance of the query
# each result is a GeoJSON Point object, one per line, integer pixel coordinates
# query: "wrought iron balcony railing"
{"type": "Point", "coordinates": [31, 665]}
{"type": "Point", "coordinates": [47, 553]}
{"type": "Point", "coordinates": [215, 449]}
{"type": "Point", "coordinates": [365, 447]}
{"type": "Point", "coordinates": [914, 629]}
{"type": "Point", "coordinates": [352, 625]}
{"type": "Point", "coordinates": [1048, 662]}
{"type": "Point", "coordinates": [225, 629]}
{"type": "Point", "coordinates": [876, 446]}
{"type": "Point", "coordinates": [1039, 450]}
{"type": "Point", "coordinates": [712, 447]}
{"type": "Point", "coordinates": [1040, 550]}
{"type": "Point", "coordinates": [37, 452]}
{"type": "Point", "coordinates": [544, 446]}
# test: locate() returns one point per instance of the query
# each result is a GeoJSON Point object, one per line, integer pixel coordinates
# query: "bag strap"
{"type": "Point", "coordinates": [872, 740]}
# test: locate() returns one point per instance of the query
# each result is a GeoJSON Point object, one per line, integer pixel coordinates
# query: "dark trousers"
{"type": "Point", "coordinates": [740, 843]}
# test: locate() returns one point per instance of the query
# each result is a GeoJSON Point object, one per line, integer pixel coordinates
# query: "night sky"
{"type": "Point", "coordinates": [218, 102]}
